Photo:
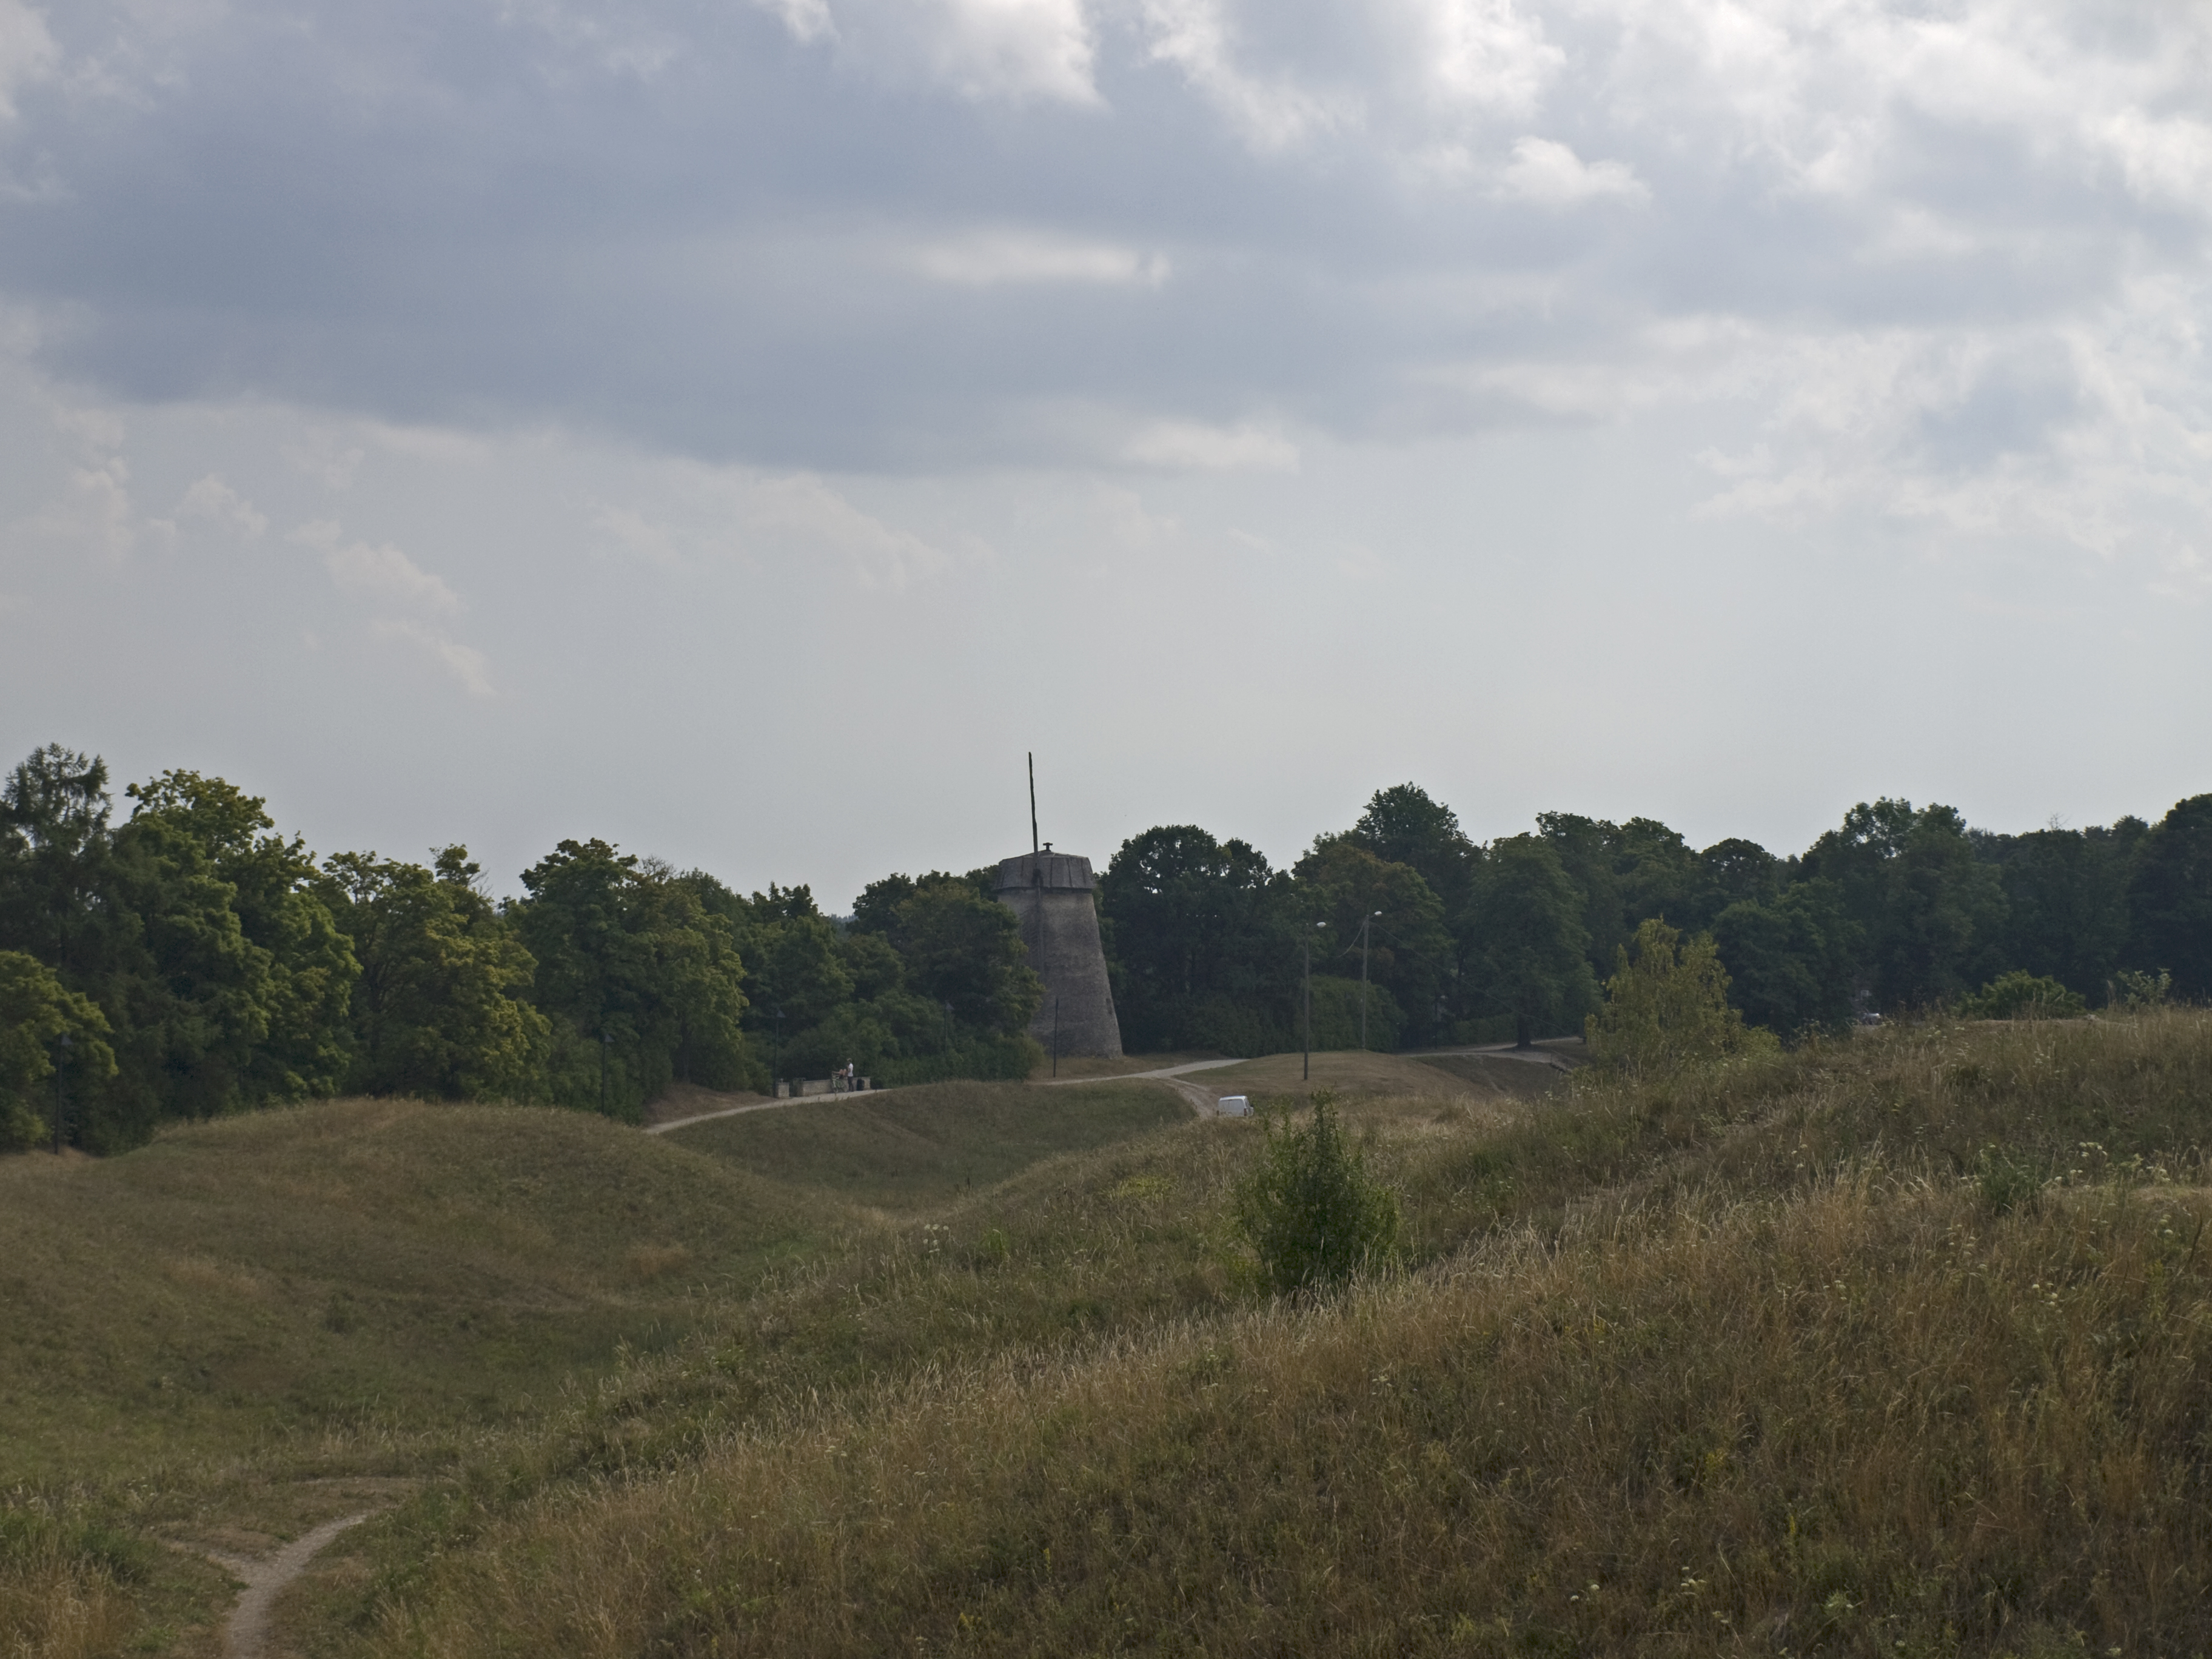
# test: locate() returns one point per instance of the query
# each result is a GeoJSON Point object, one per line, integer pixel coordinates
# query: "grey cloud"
{"type": "Point", "coordinates": [868, 234]}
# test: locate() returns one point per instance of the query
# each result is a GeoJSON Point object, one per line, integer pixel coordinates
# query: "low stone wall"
{"type": "Point", "coordinates": [799, 1088]}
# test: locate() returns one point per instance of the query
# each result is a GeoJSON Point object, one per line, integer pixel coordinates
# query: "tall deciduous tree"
{"type": "Point", "coordinates": [1531, 951]}
{"type": "Point", "coordinates": [1365, 903]}
{"type": "Point", "coordinates": [53, 1041]}
{"type": "Point", "coordinates": [442, 1005]}
{"type": "Point", "coordinates": [640, 980]}
{"type": "Point", "coordinates": [309, 969]}
{"type": "Point", "coordinates": [2172, 898]}
{"type": "Point", "coordinates": [1198, 933]}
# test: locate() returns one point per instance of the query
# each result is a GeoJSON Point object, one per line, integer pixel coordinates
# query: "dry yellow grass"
{"type": "Point", "coordinates": [1756, 1362]}
{"type": "Point", "coordinates": [1894, 1346]}
{"type": "Point", "coordinates": [1864, 1421]}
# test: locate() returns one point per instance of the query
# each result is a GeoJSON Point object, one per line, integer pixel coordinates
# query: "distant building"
{"type": "Point", "coordinates": [1052, 893]}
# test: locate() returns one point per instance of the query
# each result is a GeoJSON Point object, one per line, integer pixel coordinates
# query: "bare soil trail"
{"type": "Point", "coordinates": [246, 1636]}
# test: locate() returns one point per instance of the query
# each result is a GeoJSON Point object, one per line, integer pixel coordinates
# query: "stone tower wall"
{"type": "Point", "coordinates": [1052, 895]}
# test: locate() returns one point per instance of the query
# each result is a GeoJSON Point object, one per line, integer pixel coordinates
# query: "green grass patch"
{"type": "Point", "coordinates": [912, 1148]}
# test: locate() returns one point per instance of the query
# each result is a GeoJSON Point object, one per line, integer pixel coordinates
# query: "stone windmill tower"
{"type": "Point", "coordinates": [1052, 894]}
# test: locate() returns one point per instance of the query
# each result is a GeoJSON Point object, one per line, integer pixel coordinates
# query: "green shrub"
{"type": "Point", "coordinates": [1336, 1005]}
{"type": "Point", "coordinates": [2022, 995]}
{"type": "Point", "coordinates": [1310, 1210]}
{"type": "Point", "coordinates": [2003, 1182]}
{"type": "Point", "coordinates": [1666, 1009]}
{"type": "Point", "coordinates": [2136, 991]}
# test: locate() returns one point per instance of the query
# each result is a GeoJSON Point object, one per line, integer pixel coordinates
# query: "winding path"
{"type": "Point", "coordinates": [246, 1635]}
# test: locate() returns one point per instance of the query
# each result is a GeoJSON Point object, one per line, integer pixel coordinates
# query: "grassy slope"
{"type": "Point", "coordinates": [365, 1288]}
{"type": "Point", "coordinates": [352, 1288]}
{"type": "Point", "coordinates": [426, 1264]}
{"type": "Point", "coordinates": [1765, 1361]}
{"type": "Point", "coordinates": [905, 1149]}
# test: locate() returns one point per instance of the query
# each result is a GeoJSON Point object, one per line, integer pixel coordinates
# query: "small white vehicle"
{"type": "Point", "coordinates": [1233, 1106]}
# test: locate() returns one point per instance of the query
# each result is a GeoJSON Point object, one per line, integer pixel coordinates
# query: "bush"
{"type": "Point", "coordinates": [1310, 1210]}
{"type": "Point", "coordinates": [1664, 1010]}
{"type": "Point", "coordinates": [2135, 992]}
{"type": "Point", "coordinates": [2022, 995]}
{"type": "Point", "coordinates": [1336, 1015]}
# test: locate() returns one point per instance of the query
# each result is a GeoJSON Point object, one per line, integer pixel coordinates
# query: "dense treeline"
{"type": "Point", "coordinates": [192, 960]}
{"type": "Point", "coordinates": [1898, 909]}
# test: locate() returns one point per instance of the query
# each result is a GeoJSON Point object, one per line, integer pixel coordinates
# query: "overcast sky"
{"type": "Point", "coordinates": [743, 431]}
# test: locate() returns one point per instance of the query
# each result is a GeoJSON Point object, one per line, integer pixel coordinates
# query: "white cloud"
{"type": "Point", "coordinates": [1549, 174]}
{"type": "Point", "coordinates": [1272, 112]}
{"type": "Point", "coordinates": [1489, 53]}
{"type": "Point", "coordinates": [1017, 52]}
{"type": "Point", "coordinates": [705, 515]}
{"type": "Point", "coordinates": [95, 514]}
{"type": "Point", "coordinates": [467, 664]}
{"type": "Point", "coordinates": [809, 21]}
{"type": "Point", "coordinates": [213, 503]}
{"type": "Point", "coordinates": [801, 512]}
{"type": "Point", "coordinates": [989, 257]}
{"type": "Point", "coordinates": [27, 52]}
{"type": "Point", "coordinates": [378, 575]}
{"type": "Point", "coordinates": [1192, 445]}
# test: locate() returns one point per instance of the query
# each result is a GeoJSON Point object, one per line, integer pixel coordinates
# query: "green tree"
{"type": "Point", "coordinates": [310, 966]}
{"type": "Point", "coordinates": [1310, 1210]}
{"type": "Point", "coordinates": [2066, 901]}
{"type": "Point", "coordinates": [1584, 850]}
{"type": "Point", "coordinates": [1409, 951]}
{"type": "Point", "coordinates": [2171, 898]}
{"type": "Point", "coordinates": [44, 1027]}
{"type": "Point", "coordinates": [1729, 872]}
{"type": "Point", "coordinates": [441, 1008]}
{"type": "Point", "coordinates": [1404, 825]}
{"type": "Point", "coordinates": [1933, 913]}
{"type": "Point", "coordinates": [1667, 1007]}
{"type": "Point", "coordinates": [1199, 939]}
{"type": "Point", "coordinates": [1792, 959]}
{"type": "Point", "coordinates": [964, 952]}
{"type": "Point", "coordinates": [641, 983]}
{"type": "Point", "coordinates": [1530, 950]}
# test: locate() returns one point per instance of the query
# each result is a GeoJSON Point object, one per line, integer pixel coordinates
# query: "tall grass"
{"type": "Point", "coordinates": [1760, 1362]}
{"type": "Point", "coordinates": [62, 1584]}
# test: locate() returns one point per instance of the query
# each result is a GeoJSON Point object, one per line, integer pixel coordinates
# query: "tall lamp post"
{"type": "Point", "coordinates": [59, 1065]}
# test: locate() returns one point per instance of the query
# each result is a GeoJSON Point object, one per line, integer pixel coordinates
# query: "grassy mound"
{"type": "Point", "coordinates": [906, 1149]}
{"type": "Point", "coordinates": [422, 1265]}
{"type": "Point", "coordinates": [1893, 1346]}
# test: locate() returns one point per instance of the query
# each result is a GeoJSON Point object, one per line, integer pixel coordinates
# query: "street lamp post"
{"type": "Point", "coordinates": [1055, 1037]}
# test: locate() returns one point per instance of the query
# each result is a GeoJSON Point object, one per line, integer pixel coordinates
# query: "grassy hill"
{"type": "Point", "coordinates": [906, 1149]}
{"type": "Point", "coordinates": [1892, 1346]}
